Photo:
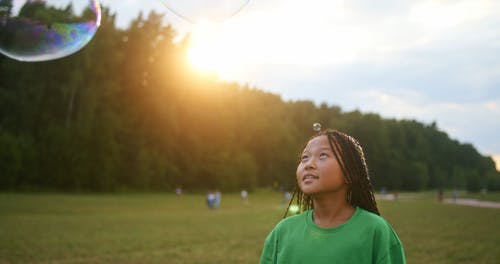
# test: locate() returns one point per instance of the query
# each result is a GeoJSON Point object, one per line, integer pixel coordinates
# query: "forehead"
{"type": "Point", "coordinates": [319, 142]}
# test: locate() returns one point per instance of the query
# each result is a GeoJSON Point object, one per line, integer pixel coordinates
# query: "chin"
{"type": "Point", "coordinates": [308, 191]}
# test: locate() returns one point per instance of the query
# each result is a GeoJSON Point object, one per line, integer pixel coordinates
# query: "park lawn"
{"type": "Point", "coordinates": [433, 232]}
{"type": "Point", "coordinates": [163, 228]}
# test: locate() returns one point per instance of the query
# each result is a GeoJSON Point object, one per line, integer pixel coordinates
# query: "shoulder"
{"type": "Point", "coordinates": [386, 243]}
{"type": "Point", "coordinates": [378, 225]}
{"type": "Point", "coordinates": [372, 219]}
{"type": "Point", "coordinates": [294, 220]}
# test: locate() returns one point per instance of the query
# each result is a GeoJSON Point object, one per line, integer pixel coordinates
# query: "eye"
{"type": "Point", "coordinates": [304, 157]}
{"type": "Point", "coordinates": [323, 155]}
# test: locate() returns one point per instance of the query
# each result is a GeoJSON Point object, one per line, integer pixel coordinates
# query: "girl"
{"type": "Point", "coordinates": [340, 221]}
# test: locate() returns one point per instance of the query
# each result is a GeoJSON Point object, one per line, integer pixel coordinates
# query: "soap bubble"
{"type": "Point", "coordinates": [317, 127]}
{"type": "Point", "coordinates": [205, 10]}
{"type": "Point", "coordinates": [294, 208]}
{"type": "Point", "coordinates": [40, 30]}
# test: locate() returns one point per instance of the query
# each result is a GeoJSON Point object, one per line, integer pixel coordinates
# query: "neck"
{"type": "Point", "coordinates": [331, 211]}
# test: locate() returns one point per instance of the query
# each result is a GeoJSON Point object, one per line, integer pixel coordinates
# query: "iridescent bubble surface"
{"type": "Point", "coordinates": [40, 30]}
{"type": "Point", "coordinates": [317, 127]}
{"type": "Point", "coordinates": [196, 11]}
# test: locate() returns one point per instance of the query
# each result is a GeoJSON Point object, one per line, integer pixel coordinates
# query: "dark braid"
{"type": "Point", "coordinates": [351, 158]}
{"type": "Point", "coordinates": [303, 201]}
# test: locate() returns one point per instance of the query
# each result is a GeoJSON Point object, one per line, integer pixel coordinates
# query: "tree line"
{"type": "Point", "coordinates": [128, 113]}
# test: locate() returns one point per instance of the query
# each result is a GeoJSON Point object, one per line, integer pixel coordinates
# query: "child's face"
{"type": "Point", "coordinates": [318, 170]}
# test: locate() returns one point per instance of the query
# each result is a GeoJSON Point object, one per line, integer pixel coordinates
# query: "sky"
{"type": "Point", "coordinates": [428, 60]}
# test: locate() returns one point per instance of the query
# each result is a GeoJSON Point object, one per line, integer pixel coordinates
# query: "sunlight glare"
{"type": "Point", "coordinates": [496, 159]}
{"type": "Point", "coordinates": [277, 37]}
{"type": "Point", "coordinates": [308, 37]}
{"type": "Point", "coordinates": [209, 50]}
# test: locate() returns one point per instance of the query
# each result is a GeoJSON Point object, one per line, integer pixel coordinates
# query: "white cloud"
{"type": "Point", "coordinates": [432, 15]}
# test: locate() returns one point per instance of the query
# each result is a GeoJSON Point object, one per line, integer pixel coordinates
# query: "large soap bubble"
{"type": "Point", "coordinates": [205, 10]}
{"type": "Point", "coordinates": [40, 30]}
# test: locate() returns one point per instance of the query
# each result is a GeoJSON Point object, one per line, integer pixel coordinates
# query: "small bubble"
{"type": "Point", "coordinates": [317, 127]}
{"type": "Point", "coordinates": [294, 208]}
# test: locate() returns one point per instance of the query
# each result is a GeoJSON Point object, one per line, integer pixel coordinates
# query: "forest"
{"type": "Point", "coordinates": [128, 113]}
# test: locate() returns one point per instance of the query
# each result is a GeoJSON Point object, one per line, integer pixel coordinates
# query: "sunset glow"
{"type": "Point", "coordinates": [270, 38]}
{"type": "Point", "coordinates": [399, 59]}
{"type": "Point", "coordinates": [496, 159]}
{"type": "Point", "coordinates": [210, 50]}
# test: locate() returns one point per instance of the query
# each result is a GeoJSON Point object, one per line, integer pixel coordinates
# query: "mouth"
{"type": "Point", "coordinates": [309, 177]}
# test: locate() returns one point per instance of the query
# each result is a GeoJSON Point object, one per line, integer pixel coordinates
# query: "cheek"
{"type": "Point", "coordinates": [340, 174]}
{"type": "Point", "coordinates": [297, 172]}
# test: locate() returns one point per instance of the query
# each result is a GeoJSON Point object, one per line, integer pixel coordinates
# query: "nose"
{"type": "Point", "coordinates": [310, 164]}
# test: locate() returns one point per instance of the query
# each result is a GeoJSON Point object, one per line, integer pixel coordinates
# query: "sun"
{"type": "Point", "coordinates": [255, 41]}
{"type": "Point", "coordinates": [209, 49]}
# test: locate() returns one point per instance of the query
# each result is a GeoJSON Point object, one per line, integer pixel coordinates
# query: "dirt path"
{"type": "Point", "coordinates": [467, 202]}
{"type": "Point", "coordinates": [472, 202]}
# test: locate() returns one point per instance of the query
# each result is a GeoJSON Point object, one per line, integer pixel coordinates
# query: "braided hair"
{"type": "Point", "coordinates": [351, 158]}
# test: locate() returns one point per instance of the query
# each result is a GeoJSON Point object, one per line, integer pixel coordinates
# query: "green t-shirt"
{"type": "Point", "coordinates": [364, 238]}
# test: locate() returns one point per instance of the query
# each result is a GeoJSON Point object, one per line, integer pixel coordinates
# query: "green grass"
{"type": "Point", "coordinates": [162, 228]}
{"type": "Point", "coordinates": [433, 232]}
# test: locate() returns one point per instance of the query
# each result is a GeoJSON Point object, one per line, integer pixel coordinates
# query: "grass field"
{"type": "Point", "coordinates": [163, 228]}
